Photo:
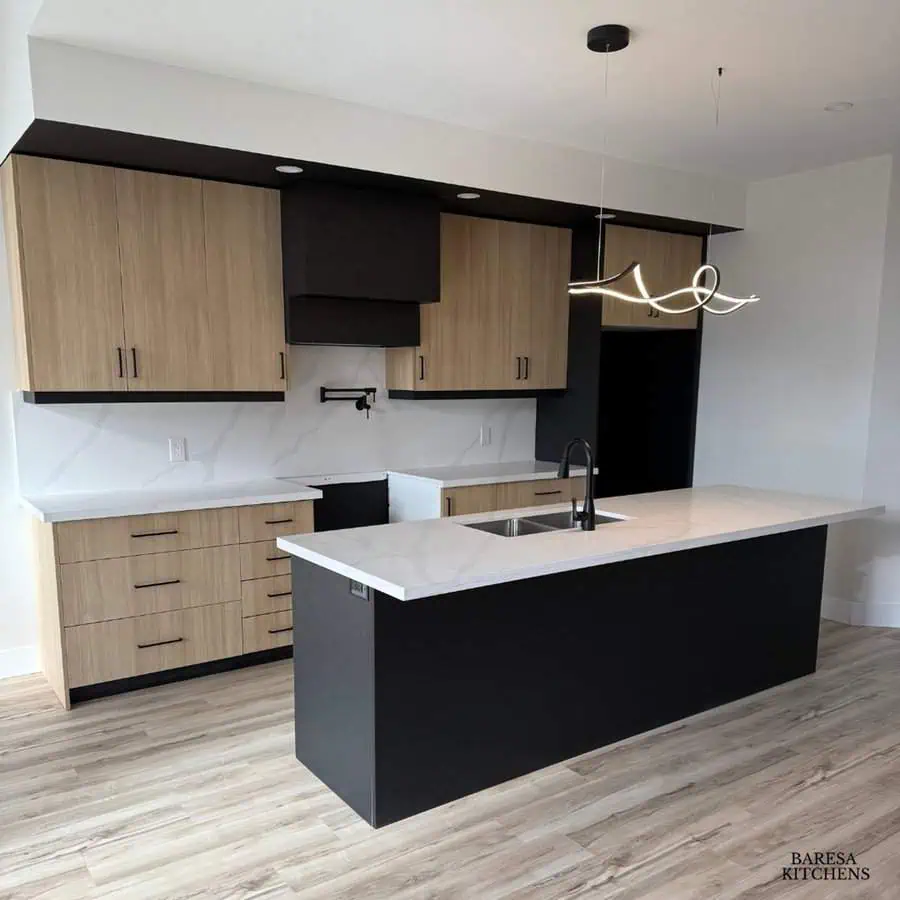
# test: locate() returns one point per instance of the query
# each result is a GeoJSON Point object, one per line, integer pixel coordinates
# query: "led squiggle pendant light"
{"type": "Point", "coordinates": [608, 39]}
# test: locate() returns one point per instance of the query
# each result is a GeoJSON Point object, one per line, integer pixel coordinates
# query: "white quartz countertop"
{"type": "Point", "coordinates": [485, 473]}
{"type": "Point", "coordinates": [409, 560]}
{"type": "Point", "coordinates": [106, 504]}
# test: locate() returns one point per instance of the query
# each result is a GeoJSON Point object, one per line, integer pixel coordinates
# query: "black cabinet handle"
{"type": "Point", "coordinates": [449, 506]}
{"type": "Point", "coordinates": [280, 630]}
{"type": "Point", "coordinates": [276, 558]}
{"type": "Point", "coordinates": [160, 643]}
{"type": "Point", "coordinates": [280, 594]}
{"type": "Point", "coordinates": [527, 358]}
{"type": "Point", "coordinates": [153, 584]}
{"type": "Point", "coordinates": [421, 368]}
{"type": "Point", "coordinates": [281, 354]}
{"type": "Point", "coordinates": [518, 368]}
{"type": "Point", "coordinates": [121, 358]}
{"type": "Point", "coordinates": [146, 534]}
{"type": "Point", "coordinates": [546, 493]}
{"type": "Point", "coordinates": [134, 362]}
{"type": "Point", "coordinates": [278, 521]}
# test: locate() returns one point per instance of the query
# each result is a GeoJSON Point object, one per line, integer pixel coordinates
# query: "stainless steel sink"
{"type": "Point", "coordinates": [511, 527]}
{"type": "Point", "coordinates": [536, 524]}
{"type": "Point", "coordinates": [560, 521]}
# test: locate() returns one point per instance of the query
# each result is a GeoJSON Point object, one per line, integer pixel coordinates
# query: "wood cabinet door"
{"type": "Point", "coordinates": [462, 501]}
{"type": "Point", "coordinates": [68, 263]}
{"type": "Point", "coordinates": [668, 262]}
{"type": "Point", "coordinates": [169, 314]}
{"type": "Point", "coordinates": [547, 297]}
{"type": "Point", "coordinates": [243, 277]}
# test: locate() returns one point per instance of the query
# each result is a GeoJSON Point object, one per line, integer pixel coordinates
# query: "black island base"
{"type": "Point", "coordinates": [403, 706]}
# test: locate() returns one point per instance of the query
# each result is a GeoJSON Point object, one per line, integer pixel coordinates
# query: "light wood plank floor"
{"type": "Point", "coordinates": [192, 791]}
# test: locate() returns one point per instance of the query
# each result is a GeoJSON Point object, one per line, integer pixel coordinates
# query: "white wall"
{"type": "Point", "coordinates": [786, 385]}
{"type": "Point", "coordinates": [73, 84]}
{"type": "Point", "coordinates": [17, 615]}
{"type": "Point", "coordinates": [16, 108]}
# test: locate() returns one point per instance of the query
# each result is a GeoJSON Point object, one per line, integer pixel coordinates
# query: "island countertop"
{"type": "Point", "coordinates": [411, 560]}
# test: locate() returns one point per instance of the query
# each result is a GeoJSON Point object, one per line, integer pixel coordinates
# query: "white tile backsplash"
{"type": "Point", "coordinates": [125, 446]}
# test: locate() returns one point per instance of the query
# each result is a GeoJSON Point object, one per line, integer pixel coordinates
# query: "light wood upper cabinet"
{"type": "Point", "coordinates": [126, 280]}
{"type": "Point", "coordinates": [60, 225]}
{"type": "Point", "coordinates": [168, 310]}
{"type": "Point", "coordinates": [243, 277]}
{"type": "Point", "coordinates": [502, 323]}
{"type": "Point", "coordinates": [668, 262]}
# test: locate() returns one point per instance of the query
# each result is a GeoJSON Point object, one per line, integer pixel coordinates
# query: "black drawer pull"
{"type": "Point", "coordinates": [160, 643]}
{"type": "Point", "coordinates": [281, 594]}
{"type": "Point", "coordinates": [278, 521]}
{"type": "Point", "coordinates": [281, 354]}
{"type": "Point", "coordinates": [152, 584]}
{"type": "Point", "coordinates": [546, 493]}
{"type": "Point", "coordinates": [276, 558]}
{"type": "Point", "coordinates": [280, 630]}
{"type": "Point", "coordinates": [143, 534]}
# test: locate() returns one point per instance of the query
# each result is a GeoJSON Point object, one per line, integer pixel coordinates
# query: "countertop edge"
{"type": "Point", "coordinates": [399, 592]}
{"type": "Point", "coordinates": [473, 481]}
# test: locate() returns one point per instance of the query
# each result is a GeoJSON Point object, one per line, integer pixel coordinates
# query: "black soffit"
{"type": "Point", "coordinates": [82, 143]}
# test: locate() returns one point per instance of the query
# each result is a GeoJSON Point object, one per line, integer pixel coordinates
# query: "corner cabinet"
{"type": "Point", "coordinates": [502, 322]}
{"type": "Point", "coordinates": [150, 286]}
{"type": "Point", "coordinates": [668, 262]}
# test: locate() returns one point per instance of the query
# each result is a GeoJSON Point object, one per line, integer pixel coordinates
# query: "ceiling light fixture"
{"type": "Point", "coordinates": [838, 106]}
{"type": "Point", "coordinates": [287, 169]}
{"type": "Point", "coordinates": [703, 295]}
{"type": "Point", "coordinates": [469, 195]}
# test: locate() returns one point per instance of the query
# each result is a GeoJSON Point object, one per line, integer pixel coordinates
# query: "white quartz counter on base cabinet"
{"type": "Point", "coordinates": [409, 560]}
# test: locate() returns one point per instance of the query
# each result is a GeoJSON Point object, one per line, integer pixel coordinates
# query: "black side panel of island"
{"type": "Point", "coordinates": [473, 688]}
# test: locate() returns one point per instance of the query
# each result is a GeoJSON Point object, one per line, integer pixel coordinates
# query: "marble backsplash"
{"type": "Point", "coordinates": [125, 446]}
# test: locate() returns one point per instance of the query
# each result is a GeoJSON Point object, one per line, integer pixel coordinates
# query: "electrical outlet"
{"type": "Point", "coordinates": [484, 436]}
{"type": "Point", "coordinates": [177, 450]}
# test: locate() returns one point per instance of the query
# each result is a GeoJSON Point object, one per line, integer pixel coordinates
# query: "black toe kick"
{"type": "Point", "coordinates": [403, 706]}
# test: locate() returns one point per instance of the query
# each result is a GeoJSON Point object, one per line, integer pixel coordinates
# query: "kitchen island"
{"type": "Point", "coordinates": [434, 659]}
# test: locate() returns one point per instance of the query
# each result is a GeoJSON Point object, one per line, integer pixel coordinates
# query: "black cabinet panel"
{"type": "Point", "coordinates": [351, 505]}
{"type": "Point", "coordinates": [360, 243]}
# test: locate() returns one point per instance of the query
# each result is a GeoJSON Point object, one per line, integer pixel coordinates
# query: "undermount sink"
{"type": "Point", "coordinates": [537, 524]}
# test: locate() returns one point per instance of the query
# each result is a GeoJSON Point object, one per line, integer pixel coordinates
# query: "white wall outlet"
{"type": "Point", "coordinates": [484, 436]}
{"type": "Point", "coordinates": [177, 450]}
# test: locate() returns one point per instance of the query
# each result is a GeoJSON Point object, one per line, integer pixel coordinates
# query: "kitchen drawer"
{"type": "Point", "coordinates": [123, 648]}
{"type": "Point", "coordinates": [266, 632]}
{"type": "Point", "coordinates": [266, 595]}
{"type": "Point", "coordinates": [460, 501]}
{"type": "Point", "coordinates": [271, 520]}
{"type": "Point", "coordinates": [140, 585]}
{"type": "Point", "coordinates": [519, 494]}
{"type": "Point", "coordinates": [262, 559]}
{"type": "Point", "coordinates": [137, 535]}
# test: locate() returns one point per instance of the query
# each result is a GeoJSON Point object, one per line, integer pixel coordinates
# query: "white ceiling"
{"type": "Point", "coordinates": [520, 67]}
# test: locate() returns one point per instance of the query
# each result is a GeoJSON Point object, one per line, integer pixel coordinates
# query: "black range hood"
{"type": "Point", "coordinates": [357, 264]}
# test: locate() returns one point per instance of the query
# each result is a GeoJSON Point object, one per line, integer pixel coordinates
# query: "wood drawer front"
{"type": "Point", "coordinates": [137, 535]}
{"type": "Point", "coordinates": [519, 494]}
{"type": "Point", "coordinates": [266, 632]}
{"type": "Point", "coordinates": [263, 559]}
{"type": "Point", "coordinates": [266, 595]}
{"type": "Point", "coordinates": [272, 520]}
{"type": "Point", "coordinates": [123, 648]}
{"type": "Point", "coordinates": [461, 501]}
{"type": "Point", "coordinates": [140, 585]}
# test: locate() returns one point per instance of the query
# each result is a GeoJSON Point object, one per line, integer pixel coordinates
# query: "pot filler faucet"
{"type": "Point", "coordinates": [587, 517]}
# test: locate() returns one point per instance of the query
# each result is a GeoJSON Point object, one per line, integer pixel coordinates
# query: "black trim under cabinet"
{"type": "Point", "coordinates": [182, 673]}
{"type": "Point", "coordinates": [474, 395]}
{"type": "Point", "coordinates": [48, 398]}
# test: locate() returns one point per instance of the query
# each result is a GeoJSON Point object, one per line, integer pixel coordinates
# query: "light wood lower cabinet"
{"type": "Point", "coordinates": [464, 500]}
{"type": "Point", "coordinates": [106, 651]}
{"type": "Point", "coordinates": [129, 596]}
{"type": "Point", "coordinates": [481, 498]}
{"type": "Point", "coordinates": [268, 631]}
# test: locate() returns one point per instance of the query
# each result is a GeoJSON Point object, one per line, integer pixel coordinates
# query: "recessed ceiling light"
{"type": "Point", "coordinates": [838, 106]}
{"type": "Point", "coordinates": [289, 169]}
{"type": "Point", "coordinates": [605, 216]}
{"type": "Point", "coordinates": [468, 195]}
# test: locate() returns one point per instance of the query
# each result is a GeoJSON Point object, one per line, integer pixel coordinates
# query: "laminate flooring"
{"type": "Point", "coordinates": [192, 791]}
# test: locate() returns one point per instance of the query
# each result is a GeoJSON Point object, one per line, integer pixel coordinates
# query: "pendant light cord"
{"type": "Point", "coordinates": [716, 86]}
{"type": "Point", "coordinates": [603, 164]}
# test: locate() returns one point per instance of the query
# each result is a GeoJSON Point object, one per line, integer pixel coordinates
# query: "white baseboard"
{"type": "Point", "coordinates": [855, 612]}
{"type": "Point", "coordinates": [19, 661]}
